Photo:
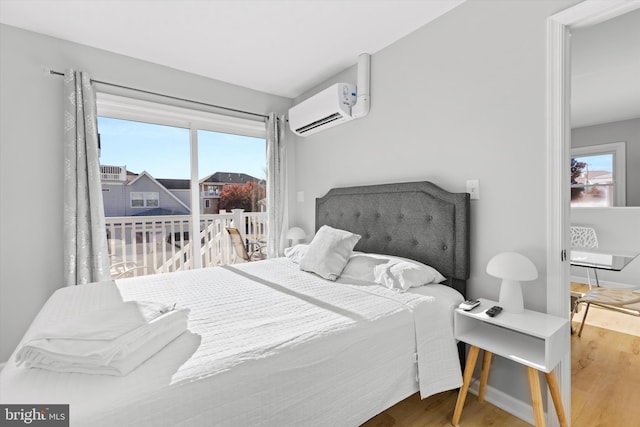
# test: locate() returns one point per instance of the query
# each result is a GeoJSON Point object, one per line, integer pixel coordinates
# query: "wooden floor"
{"type": "Point", "coordinates": [605, 390]}
{"type": "Point", "coordinates": [437, 411]}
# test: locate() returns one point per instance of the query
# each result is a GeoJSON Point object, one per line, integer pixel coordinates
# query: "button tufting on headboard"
{"type": "Point", "coordinates": [416, 220]}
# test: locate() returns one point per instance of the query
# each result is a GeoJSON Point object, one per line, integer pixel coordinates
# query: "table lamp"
{"type": "Point", "coordinates": [512, 267]}
{"type": "Point", "coordinates": [296, 234]}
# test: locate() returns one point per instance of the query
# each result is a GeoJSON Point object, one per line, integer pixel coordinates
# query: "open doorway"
{"type": "Point", "coordinates": [605, 146]}
{"type": "Point", "coordinates": [584, 14]}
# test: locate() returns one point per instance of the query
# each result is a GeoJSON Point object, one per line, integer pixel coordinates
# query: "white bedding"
{"type": "Point", "coordinates": [288, 349]}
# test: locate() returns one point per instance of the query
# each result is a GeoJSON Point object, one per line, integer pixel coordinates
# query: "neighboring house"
{"type": "Point", "coordinates": [595, 177]}
{"type": "Point", "coordinates": [211, 188]}
{"type": "Point", "coordinates": [127, 194]}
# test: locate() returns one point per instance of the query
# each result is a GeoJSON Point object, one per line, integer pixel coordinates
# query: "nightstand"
{"type": "Point", "coordinates": [536, 340]}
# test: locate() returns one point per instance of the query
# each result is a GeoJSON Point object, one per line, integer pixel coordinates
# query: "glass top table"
{"type": "Point", "coordinates": [601, 259]}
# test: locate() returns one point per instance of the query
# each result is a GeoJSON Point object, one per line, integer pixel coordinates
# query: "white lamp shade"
{"type": "Point", "coordinates": [512, 267]}
{"type": "Point", "coordinates": [296, 233]}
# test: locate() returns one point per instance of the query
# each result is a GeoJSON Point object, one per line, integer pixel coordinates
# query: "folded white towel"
{"type": "Point", "coordinates": [113, 340]}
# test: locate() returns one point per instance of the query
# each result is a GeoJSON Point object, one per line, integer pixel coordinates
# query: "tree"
{"type": "Point", "coordinates": [242, 196]}
{"type": "Point", "coordinates": [576, 171]}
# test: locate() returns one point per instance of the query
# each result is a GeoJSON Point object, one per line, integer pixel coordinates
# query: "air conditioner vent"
{"type": "Point", "coordinates": [321, 122]}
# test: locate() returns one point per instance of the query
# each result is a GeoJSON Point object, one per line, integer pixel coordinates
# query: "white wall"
{"type": "Point", "coordinates": [31, 165]}
{"type": "Point", "coordinates": [461, 98]}
{"type": "Point", "coordinates": [618, 230]}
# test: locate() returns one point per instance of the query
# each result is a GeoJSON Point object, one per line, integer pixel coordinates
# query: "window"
{"type": "Point", "coordinates": [142, 200]}
{"type": "Point", "coordinates": [171, 165]}
{"type": "Point", "coordinates": [137, 200]}
{"type": "Point", "coordinates": [598, 175]}
{"type": "Point", "coordinates": [151, 199]}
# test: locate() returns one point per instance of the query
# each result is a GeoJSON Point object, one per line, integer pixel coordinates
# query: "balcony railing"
{"type": "Point", "coordinates": [141, 245]}
{"type": "Point", "coordinates": [113, 173]}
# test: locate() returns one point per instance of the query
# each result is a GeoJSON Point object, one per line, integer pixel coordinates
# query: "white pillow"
{"type": "Point", "coordinates": [328, 252]}
{"type": "Point", "coordinates": [296, 252]}
{"type": "Point", "coordinates": [389, 271]}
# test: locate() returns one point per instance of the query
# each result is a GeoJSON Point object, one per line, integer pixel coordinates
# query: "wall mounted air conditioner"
{"type": "Point", "coordinates": [334, 105]}
{"type": "Point", "coordinates": [324, 110]}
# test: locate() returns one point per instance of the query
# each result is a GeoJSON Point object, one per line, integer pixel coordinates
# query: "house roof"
{"type": "Point", "coordinates": [174, 184]}
{"type": "Point", "coordinates": [160, 186]}
{"type": "Point", "coordinates": [230, 178]}
{"type": "Point", "coordinates": [159, 211]}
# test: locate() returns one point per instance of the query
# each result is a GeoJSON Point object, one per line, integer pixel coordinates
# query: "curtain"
{"type": "Point", "coordinates": [86, 256]}
{"type": "Point", "coordinates": [276, 185]}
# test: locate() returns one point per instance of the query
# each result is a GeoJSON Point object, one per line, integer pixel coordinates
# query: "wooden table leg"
{"type": "Point", "coordinates": [486, 364]}
{"type": "Point", "coordinates": [468, 372]}
{"type": "Point", "coordinates": [557, 399]}
{"type": "Point", "coordinates": [536, 396]}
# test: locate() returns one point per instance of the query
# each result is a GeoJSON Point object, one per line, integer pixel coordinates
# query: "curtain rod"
{"type": "Point", "coordinates": [58, 73]}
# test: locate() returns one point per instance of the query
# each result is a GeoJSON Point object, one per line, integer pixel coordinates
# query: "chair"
{"type": "Point", "coordinates": [586, 238]}
{"type": "Point", "coordinates": [240, 249]}
{"type": "Point", "coordinates": [623, 300]}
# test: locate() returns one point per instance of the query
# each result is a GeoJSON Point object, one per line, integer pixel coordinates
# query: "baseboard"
{"type": "Point", "coordinates": [508, 403]}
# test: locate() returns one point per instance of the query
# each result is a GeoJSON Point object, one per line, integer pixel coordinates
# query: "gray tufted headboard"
{"type": "Point", "coordinates": [416, 220]}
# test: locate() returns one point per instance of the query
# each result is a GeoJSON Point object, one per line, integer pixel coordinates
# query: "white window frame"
{"type": "Point", "coordinates": [125, 108]}
{"type": "Point", "coordinates": [618, 150]}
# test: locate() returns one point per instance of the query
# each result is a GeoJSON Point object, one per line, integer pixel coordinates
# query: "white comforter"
{"type": "Point", "coordinates": [284, 348]}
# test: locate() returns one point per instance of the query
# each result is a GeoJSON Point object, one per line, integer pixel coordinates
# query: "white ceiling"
{"type": "Point", "coordinates": [274, 46]}
{"type": "Point", "coordinates": [605, 68]}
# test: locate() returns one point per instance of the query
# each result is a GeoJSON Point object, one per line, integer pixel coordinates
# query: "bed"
{"type": "Point", "coordinates": [271, 345]}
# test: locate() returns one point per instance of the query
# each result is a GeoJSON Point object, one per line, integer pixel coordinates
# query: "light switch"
{"type": "Point", "coordinates": [300, 196]}
{"type": "Point", "coordinates": [473, 188]}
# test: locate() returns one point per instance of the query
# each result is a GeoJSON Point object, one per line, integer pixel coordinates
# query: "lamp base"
{"type": "Point", "coordinates": [511, 299]}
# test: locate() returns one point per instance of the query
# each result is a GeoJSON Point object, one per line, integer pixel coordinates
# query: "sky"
{"type": "Point", "coordinates": [163, 151]}
{"type": "Point", "coordinates": [601, 162]}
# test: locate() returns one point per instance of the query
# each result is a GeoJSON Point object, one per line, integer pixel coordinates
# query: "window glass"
{"type": "Point", "coordinates": [149, 165]}
{"type": "Point", "coordinates": [137, 200]}
{"type": "Point", "coordinates": [155, 205]}
{"type": "Point", "coordinates": [152, 199]}
{"type": "Point", "coordinates": [233, 171]}
{"type": "Point", "coordinates": [592, 180]}
{"type": "Point", "coordinates": [237, 165]}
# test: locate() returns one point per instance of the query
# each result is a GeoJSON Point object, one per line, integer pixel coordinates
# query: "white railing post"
{"type": "Point", "coordinates": [238, 220]}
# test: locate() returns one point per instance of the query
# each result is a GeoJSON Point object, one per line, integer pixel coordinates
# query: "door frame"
{"type": "Point", "coordinates": [589, 12]}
